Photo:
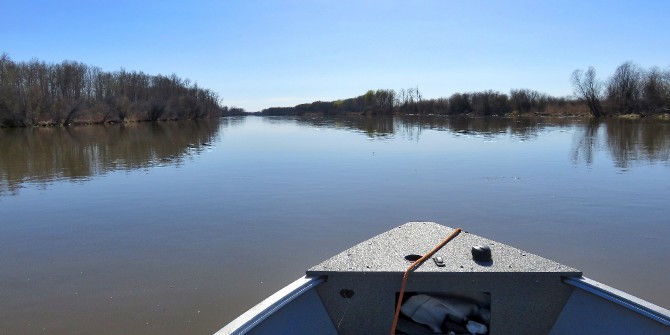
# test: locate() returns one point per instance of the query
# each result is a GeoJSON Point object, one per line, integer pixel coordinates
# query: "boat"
{"type": "Point", "coordinates": [426, 278]}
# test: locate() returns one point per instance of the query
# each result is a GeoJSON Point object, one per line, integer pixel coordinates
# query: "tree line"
{"type": "Point", "coordinates": [37, 93]}
{"type": "Point", "coordinates": [631, 90]}
{"type": "Point", "coordinates": [411, 102]}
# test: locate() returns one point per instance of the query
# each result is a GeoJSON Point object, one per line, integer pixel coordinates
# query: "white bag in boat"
{"type": "Point", "coordinates": [476, 328]}
{"type": "Point", "coordinates": [431, 312]}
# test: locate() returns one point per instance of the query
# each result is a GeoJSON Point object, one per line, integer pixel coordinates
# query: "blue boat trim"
{"type": "Point", "coordinates": [620, 298]}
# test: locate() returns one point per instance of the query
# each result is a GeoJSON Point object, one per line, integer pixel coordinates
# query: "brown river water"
{"type": "Point", "coordinates": [178, 227]}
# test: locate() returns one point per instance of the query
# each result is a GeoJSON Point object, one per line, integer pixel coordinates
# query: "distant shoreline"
{"type": "Point", "coordinates": [631, 90]}
{"type": "Point", "coordinates": [663, 117]}
{"type": "Point", "coordinates": [35, 93]}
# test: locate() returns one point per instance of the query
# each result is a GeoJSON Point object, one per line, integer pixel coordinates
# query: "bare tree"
{"type": "Point", "coordinates": [459, 103]}
{"type": "Point", "coordinates": [624, 90]}
{"type": "Point", "coordinates": [588, 89]}
{"type": "Point", "coordinates": [384, 101]}
{"type": "Point", "coordinates": [656, 91]}
{"type": "Point", "coordinates": [38, 93]}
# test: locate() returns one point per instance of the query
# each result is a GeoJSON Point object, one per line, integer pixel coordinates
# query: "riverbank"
{"type": "Point", "coordinates": [87, 121]}
{"type": "Point", "coordinates": [36, 93]}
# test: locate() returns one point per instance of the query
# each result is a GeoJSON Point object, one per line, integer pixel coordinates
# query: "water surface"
{"type": "Point", "coordinates": [178, 227]}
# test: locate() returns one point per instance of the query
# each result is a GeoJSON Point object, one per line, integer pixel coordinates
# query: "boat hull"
{"type": "Point", "coordinates": [515, 292]}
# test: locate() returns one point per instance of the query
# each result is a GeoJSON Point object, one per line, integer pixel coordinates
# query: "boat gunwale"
{"type": "Point", "coordinates": [263, 310]}
{"type": "Point", "coordinates": [623, 299]}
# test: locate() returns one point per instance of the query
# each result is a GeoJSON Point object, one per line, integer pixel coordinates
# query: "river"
{"type": "Point", "coordinates": [178, 227]}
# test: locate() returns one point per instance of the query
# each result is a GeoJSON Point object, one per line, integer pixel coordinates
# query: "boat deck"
{"type": "Point", "coordinates": [386, 253]}
{"type": "Point", "coordinates": [366, 279]}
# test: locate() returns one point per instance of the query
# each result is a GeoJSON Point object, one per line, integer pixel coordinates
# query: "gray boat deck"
{"type": "Point", "coordinates": [371, 272]}
{"type": "Point", "coordinates": [385, 253]}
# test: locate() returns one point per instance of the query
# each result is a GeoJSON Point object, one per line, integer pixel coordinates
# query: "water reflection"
{"type": "Point", "coordinates": [585, 142]}
{"type": "Point", "coordinates": [42, 155]}
{"type": "Point", "coordinates": [373, 127]}
{"type": "Point", "coordinates": [629, 141]}
{"type": "Point", "coordinates": [409, 126]}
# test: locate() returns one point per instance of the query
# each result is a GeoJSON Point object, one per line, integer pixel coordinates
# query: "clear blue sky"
{"type": "Point", "coordinates": [258, 54]}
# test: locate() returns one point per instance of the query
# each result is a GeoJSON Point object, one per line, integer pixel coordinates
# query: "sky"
{"type": "Point", "coordinates": [260, 54]}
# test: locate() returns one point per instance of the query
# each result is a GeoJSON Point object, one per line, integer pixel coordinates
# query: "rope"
{"type": "Point", "coordinates": [412, 267]}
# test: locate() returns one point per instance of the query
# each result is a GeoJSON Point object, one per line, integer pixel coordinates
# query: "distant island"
{"type": "Point", "coordinates": [630, 91]}
{"type": "Point", "coordinates": [36, 93]}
